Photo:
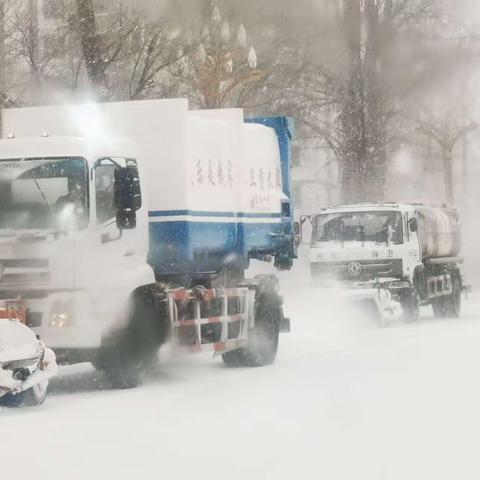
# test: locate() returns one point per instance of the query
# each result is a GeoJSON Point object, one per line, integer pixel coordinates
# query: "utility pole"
{"type": "Point", "coordinates": [465, 145]}
{"type": "Point", "coordinates": [465, 168]}
{"type": "Point", "coordinates": [2, 63]}
{"type": "Point", "coordinates": [447, 151]}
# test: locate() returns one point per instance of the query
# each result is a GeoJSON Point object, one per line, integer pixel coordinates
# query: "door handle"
{"type": "Point", "coordinates": [128, 253]}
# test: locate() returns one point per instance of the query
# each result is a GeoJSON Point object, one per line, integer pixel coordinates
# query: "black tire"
{"type": "Point", "coordinates": [128, 356]}
{"type": "Point", "coordinates": [410, 303]}
{"type": "Point", "coordinates": [32, 397]}
{"type": "Point", "coordinates": [449, 306]}
{"type": "Point", "coordinates": [98, 365]}
{"type": "Point", "coordinates": [234, 358]}
{"type": "Point", "coordinates": [262, 344]}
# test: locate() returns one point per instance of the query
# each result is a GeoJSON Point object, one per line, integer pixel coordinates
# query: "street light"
{"type": "Point", "coordinates": [447, 139]}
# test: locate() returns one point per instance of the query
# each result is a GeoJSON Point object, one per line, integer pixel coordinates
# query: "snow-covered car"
{"type": "Point", "coordinates": [26, 365]}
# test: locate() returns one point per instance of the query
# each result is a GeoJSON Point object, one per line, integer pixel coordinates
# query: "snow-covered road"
{"type": "Point", "coordinates": [346, 399]}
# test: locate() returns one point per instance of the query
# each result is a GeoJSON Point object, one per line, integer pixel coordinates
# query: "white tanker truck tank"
{"type": "Point", "coordinates": [400, 255]}
{"type": "Point", "coordinates": [438, 232]}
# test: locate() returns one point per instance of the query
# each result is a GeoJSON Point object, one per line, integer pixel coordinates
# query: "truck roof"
{"type": "Point", "coordinates": [387, 206]}
{"type": "Point", "coordinates": [89, 148]}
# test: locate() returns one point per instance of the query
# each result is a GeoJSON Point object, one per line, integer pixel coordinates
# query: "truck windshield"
{"type": "Point", "coordinates": [43, 193]}
{"type": "Point", "coordinates": [379, 227]}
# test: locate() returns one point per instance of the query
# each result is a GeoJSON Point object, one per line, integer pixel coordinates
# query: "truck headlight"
{"type": "Point", "coordinates": [62, 313]}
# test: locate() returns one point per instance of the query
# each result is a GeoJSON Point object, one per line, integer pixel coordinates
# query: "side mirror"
{"type": "Point", "coordinates": [413, 225]}
{"type": "Point", "coordinates": [297, 234]}
{"type": "Point", "coordinates": [303, 220]}
{"type": "Point", "coordinates": [296, 228]}
{"type": "Point", "coordinates": [127, 191]}
{"type": "Point", "coordinates": [286, 209]}
{"type": "Point", "coordinates": [127, 196]}
{"type": "Point", "coordinates": [126, 220]}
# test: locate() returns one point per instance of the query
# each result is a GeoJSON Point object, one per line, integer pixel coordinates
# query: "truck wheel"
{"type": "Point", "coordinates": [263, 338]}
{"type": "Point", "coordinates": [29, 398]}
{"type": "Point", "coordinates": [449, 306]}
{"type": "Point", "coordinates": [234, 358]}
{"type": "Point", "coordinates": [410, 307]}
{"type": "Point", "coordinates": [127, 358]}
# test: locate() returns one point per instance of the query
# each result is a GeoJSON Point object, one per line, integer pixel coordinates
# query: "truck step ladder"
{"type": "Point", "coordinates": [210, 319]}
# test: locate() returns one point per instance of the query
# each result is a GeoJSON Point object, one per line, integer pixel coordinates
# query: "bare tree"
{"type": "Point", "coordinates": [154, 59]}
{"type": "Point", "coordinates": [350, 84]}
{"type": "Point", "coordinates": [101, 51]}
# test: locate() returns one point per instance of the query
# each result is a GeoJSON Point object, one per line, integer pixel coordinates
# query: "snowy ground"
{"type": "Point", "coordinates": [346, 399]}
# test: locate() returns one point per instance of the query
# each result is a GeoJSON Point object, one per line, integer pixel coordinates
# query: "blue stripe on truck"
{"type": "Point", "coordinates": [183, 245]}
{"type": "Point", "coordinates": [194, 213]}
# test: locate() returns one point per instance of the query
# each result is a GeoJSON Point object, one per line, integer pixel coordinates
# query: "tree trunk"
{"type": "Point", "coordinates": [352, 115]}
{"type": "Point", "coordinates": [33, 41]}
{"type": "Point", "coordinates": [91, 46]}
{"type": "Point", "coordinates": [364, 104]}
{"type": "Point", "coordinates": [375, 106]}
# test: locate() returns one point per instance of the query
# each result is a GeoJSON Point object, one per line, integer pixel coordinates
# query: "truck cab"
{"type": "Point", "coordinates": [401, 256]}
{"type": "Point", "coordinates": [60, 221]}
{"type": "Point", "coordinates": [364, 244]}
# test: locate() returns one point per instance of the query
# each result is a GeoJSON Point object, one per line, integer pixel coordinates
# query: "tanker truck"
{"type": "Point", "coordinates": [400, 256]}
{"type": "Point", "coordinates": [125, 225]}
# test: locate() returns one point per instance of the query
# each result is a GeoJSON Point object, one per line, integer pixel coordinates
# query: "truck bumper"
{"type": "Point", "coordinates": [387, 306]}
{"type": "Point", "coordinates": [60, 319]}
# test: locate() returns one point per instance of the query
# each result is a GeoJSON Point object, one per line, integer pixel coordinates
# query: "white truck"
{"type": "Point", "coordinates": [125, 224]}
{"type": "Point", "coordinates": [400, 256]}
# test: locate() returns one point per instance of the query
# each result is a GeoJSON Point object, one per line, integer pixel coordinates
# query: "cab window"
{"type": "Point", "coordinates": [104, 191]}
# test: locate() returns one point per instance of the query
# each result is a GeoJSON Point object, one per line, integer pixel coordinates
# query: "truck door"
{"type": "Point", "coordinates": [413, 251]}
{"type": "Point", "coordinates": [120, 251]}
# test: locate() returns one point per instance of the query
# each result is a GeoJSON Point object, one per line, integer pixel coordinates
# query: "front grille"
{"type": "Point", "coordinates": [24, 278]}
{"type": "Point", "coordinates": [24, 271]}
{"type": "Point", "coordinates": [369, 269]}
{"type": "Point", "coordinates": [14, 293]}
{"type": "Point", "coordinates": [24, 263]}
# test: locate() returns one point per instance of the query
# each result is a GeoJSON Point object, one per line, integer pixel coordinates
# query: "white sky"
{"type": "Point", "coordinates": [470, 10]}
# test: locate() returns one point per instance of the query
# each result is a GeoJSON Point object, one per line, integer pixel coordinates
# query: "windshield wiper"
{"type": "Point", "coordinates": [362, 234]}
{"type": "Point", "coordinates": [42, 194]}
{"type": "Point", "coordinates": [382, 237]}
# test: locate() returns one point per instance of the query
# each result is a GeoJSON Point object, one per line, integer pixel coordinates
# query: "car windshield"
{"type": "Point", "coordinates": [43, 193]}
{"type": "Point", "coordinates": [380, 227]}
